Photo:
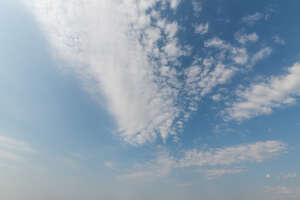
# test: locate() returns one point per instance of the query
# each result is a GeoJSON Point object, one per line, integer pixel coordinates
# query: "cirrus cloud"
{"type": "Point", "coordinates": [129, 52]}
{"type": "Point", "coordinates": [262, 98]}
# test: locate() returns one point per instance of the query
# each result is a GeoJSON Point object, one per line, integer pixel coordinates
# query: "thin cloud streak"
{"type": "Point", "coordinates": [12, 149]}
{"type": "Point", "coordinates": [262, 98]}
{"type": "Point", "coordinates": [227, 157]}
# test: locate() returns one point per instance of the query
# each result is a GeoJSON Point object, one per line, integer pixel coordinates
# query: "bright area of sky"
{"type": "Point", "coordinates": [149, 99]}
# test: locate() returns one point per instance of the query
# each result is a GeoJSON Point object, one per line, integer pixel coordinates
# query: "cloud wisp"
{"type": "Point", "coordinates": [256, 152]}
{"type": "Point", "coordinates": [228, 157]}
{"type": "Point", "coordinates": [262, 98]}
{"type": "Point", "coordinates": [212, 174]}
{"type": "Point", "coordinates": [12, 149]}
{"type": "Point", "coordinates": [245, 38]}
{"type": "Point", "coordinates": [253, 18]}
{"type": "Point", "coordinates": [201, 28]}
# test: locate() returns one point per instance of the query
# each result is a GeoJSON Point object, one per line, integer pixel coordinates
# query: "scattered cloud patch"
{"type": "Point", "coordinates": [253, 18]}
{"type": "Point", "coordinates": [245, 38]}
{"type": "Point", "coordinates": [174, 3]}
{"type": "Point", "coordinates": [217, 97]}
{"type": "Point", "coordinates": [260, 55]}
{"type": "Point", "coordinates": [151, 171]}
{"type": "Point", "coordinates": [201, 28]}
{"type": "Point", "coordinates": [197, 6]}
{"type": "Point", "coordinates": [109, 164]}
{"type": "Point", "coordinates": [262, 98]}
{"type": "Point", "coordinates": [237, 55]}
{"type": "Point", "coordinates": [202, 82]}
{"type": "Point", "coordinates": [227, 156]}
{"type": "Point", "coordinates": [268, 176]}
{"type": "Point", "coordinates": [278, 40]}
{"type": "Point", "coordinates": [256, 152]}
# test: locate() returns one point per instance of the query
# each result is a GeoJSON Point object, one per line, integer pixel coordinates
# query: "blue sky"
{"type": "Point", "coordinates": [149, 99]}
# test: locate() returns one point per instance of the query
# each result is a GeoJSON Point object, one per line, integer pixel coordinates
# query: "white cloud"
{"type": "Point", "coordinates": [9, 155]}
{"type": "Point", "coordinates": [13, 149]}
{"type": "Point", "coordinates": [217, 68]}
{"type": "Point", "coordinates": [174, 3]}
{"type": "Point", "coordinates": [216, 97]}
{"type": "Point", "coordinates": [245, 38]}
{"type": "Point", "coordinates": [256, 152]}
{"type": "Point", "coordinates": [227, 156]}
{"type": "Point", "coordinates": [161, 167]}
{"type": "Point", "coordinates": [268, 176]}
{"type": "Point", "coordinates": [259, 55]}
{"type": "Point", "coordinates": [201, 28]}
{"type": "Point", "coordinates": [16, 145]}
{"type": "Point", "coordinates": [217, 42]}
{"type": "Point", "coordinates": [197, 6]}
{"type": "Point", "coordinates": [109, 164]}
{"type": "Point", "coordinates": [238, 55]}
{"type": "Point", "coordinates": [212, 174]}
{"type": "Point", "coordinates": [278, 40]}
{"type": "Point", "coordinates": [235, 55]}
{"type": "Point", "coordinates": [201, 79]}
{"type": "Point", "coordinates": [253, 18]}
{"type": "Point", "coordinates": [262, 98]}
{"type": "Point", "coordinates": [115, 47]}
{"type": "Point", "coordinates": [129, 53]}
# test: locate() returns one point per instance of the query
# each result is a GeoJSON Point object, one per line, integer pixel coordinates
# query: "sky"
{"type": "Point", "coordinates": [149, 99]}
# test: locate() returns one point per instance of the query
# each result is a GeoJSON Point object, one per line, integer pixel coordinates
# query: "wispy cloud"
{"type": "Point", "coordinates": [217, 157]}
{"type": "Point", "coordinates": [260, 55]}
{"type": "Point", "coordinates": [278, 40]}
{"type": "Point", "coordinates": [253, 18]}
{"type": "Point", "coordinates": [16, 145]}
{"type": "Point", "coordinates": [197, 6]}
{"type": "Point", "coordinates": [9, 155]}
{"type": "Point", "coordinates": [265, 15]}
{"type": "Point", "coordinates": [256, 152]}
{"type": "Point", "coordinates": [162, 166]}
{"type": "Point", "coordinates": [201, 28]}
{"type": "Point", "coordinates": [13, 149]}
{"type": "Point", "coordinates": [212, 174]}
{"type": "Point", "coordinates": [238, 55]}
{"type": "Point", "coordinates": [244, 38]}
{"type": "Point", "coordinates": [262, 98]}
